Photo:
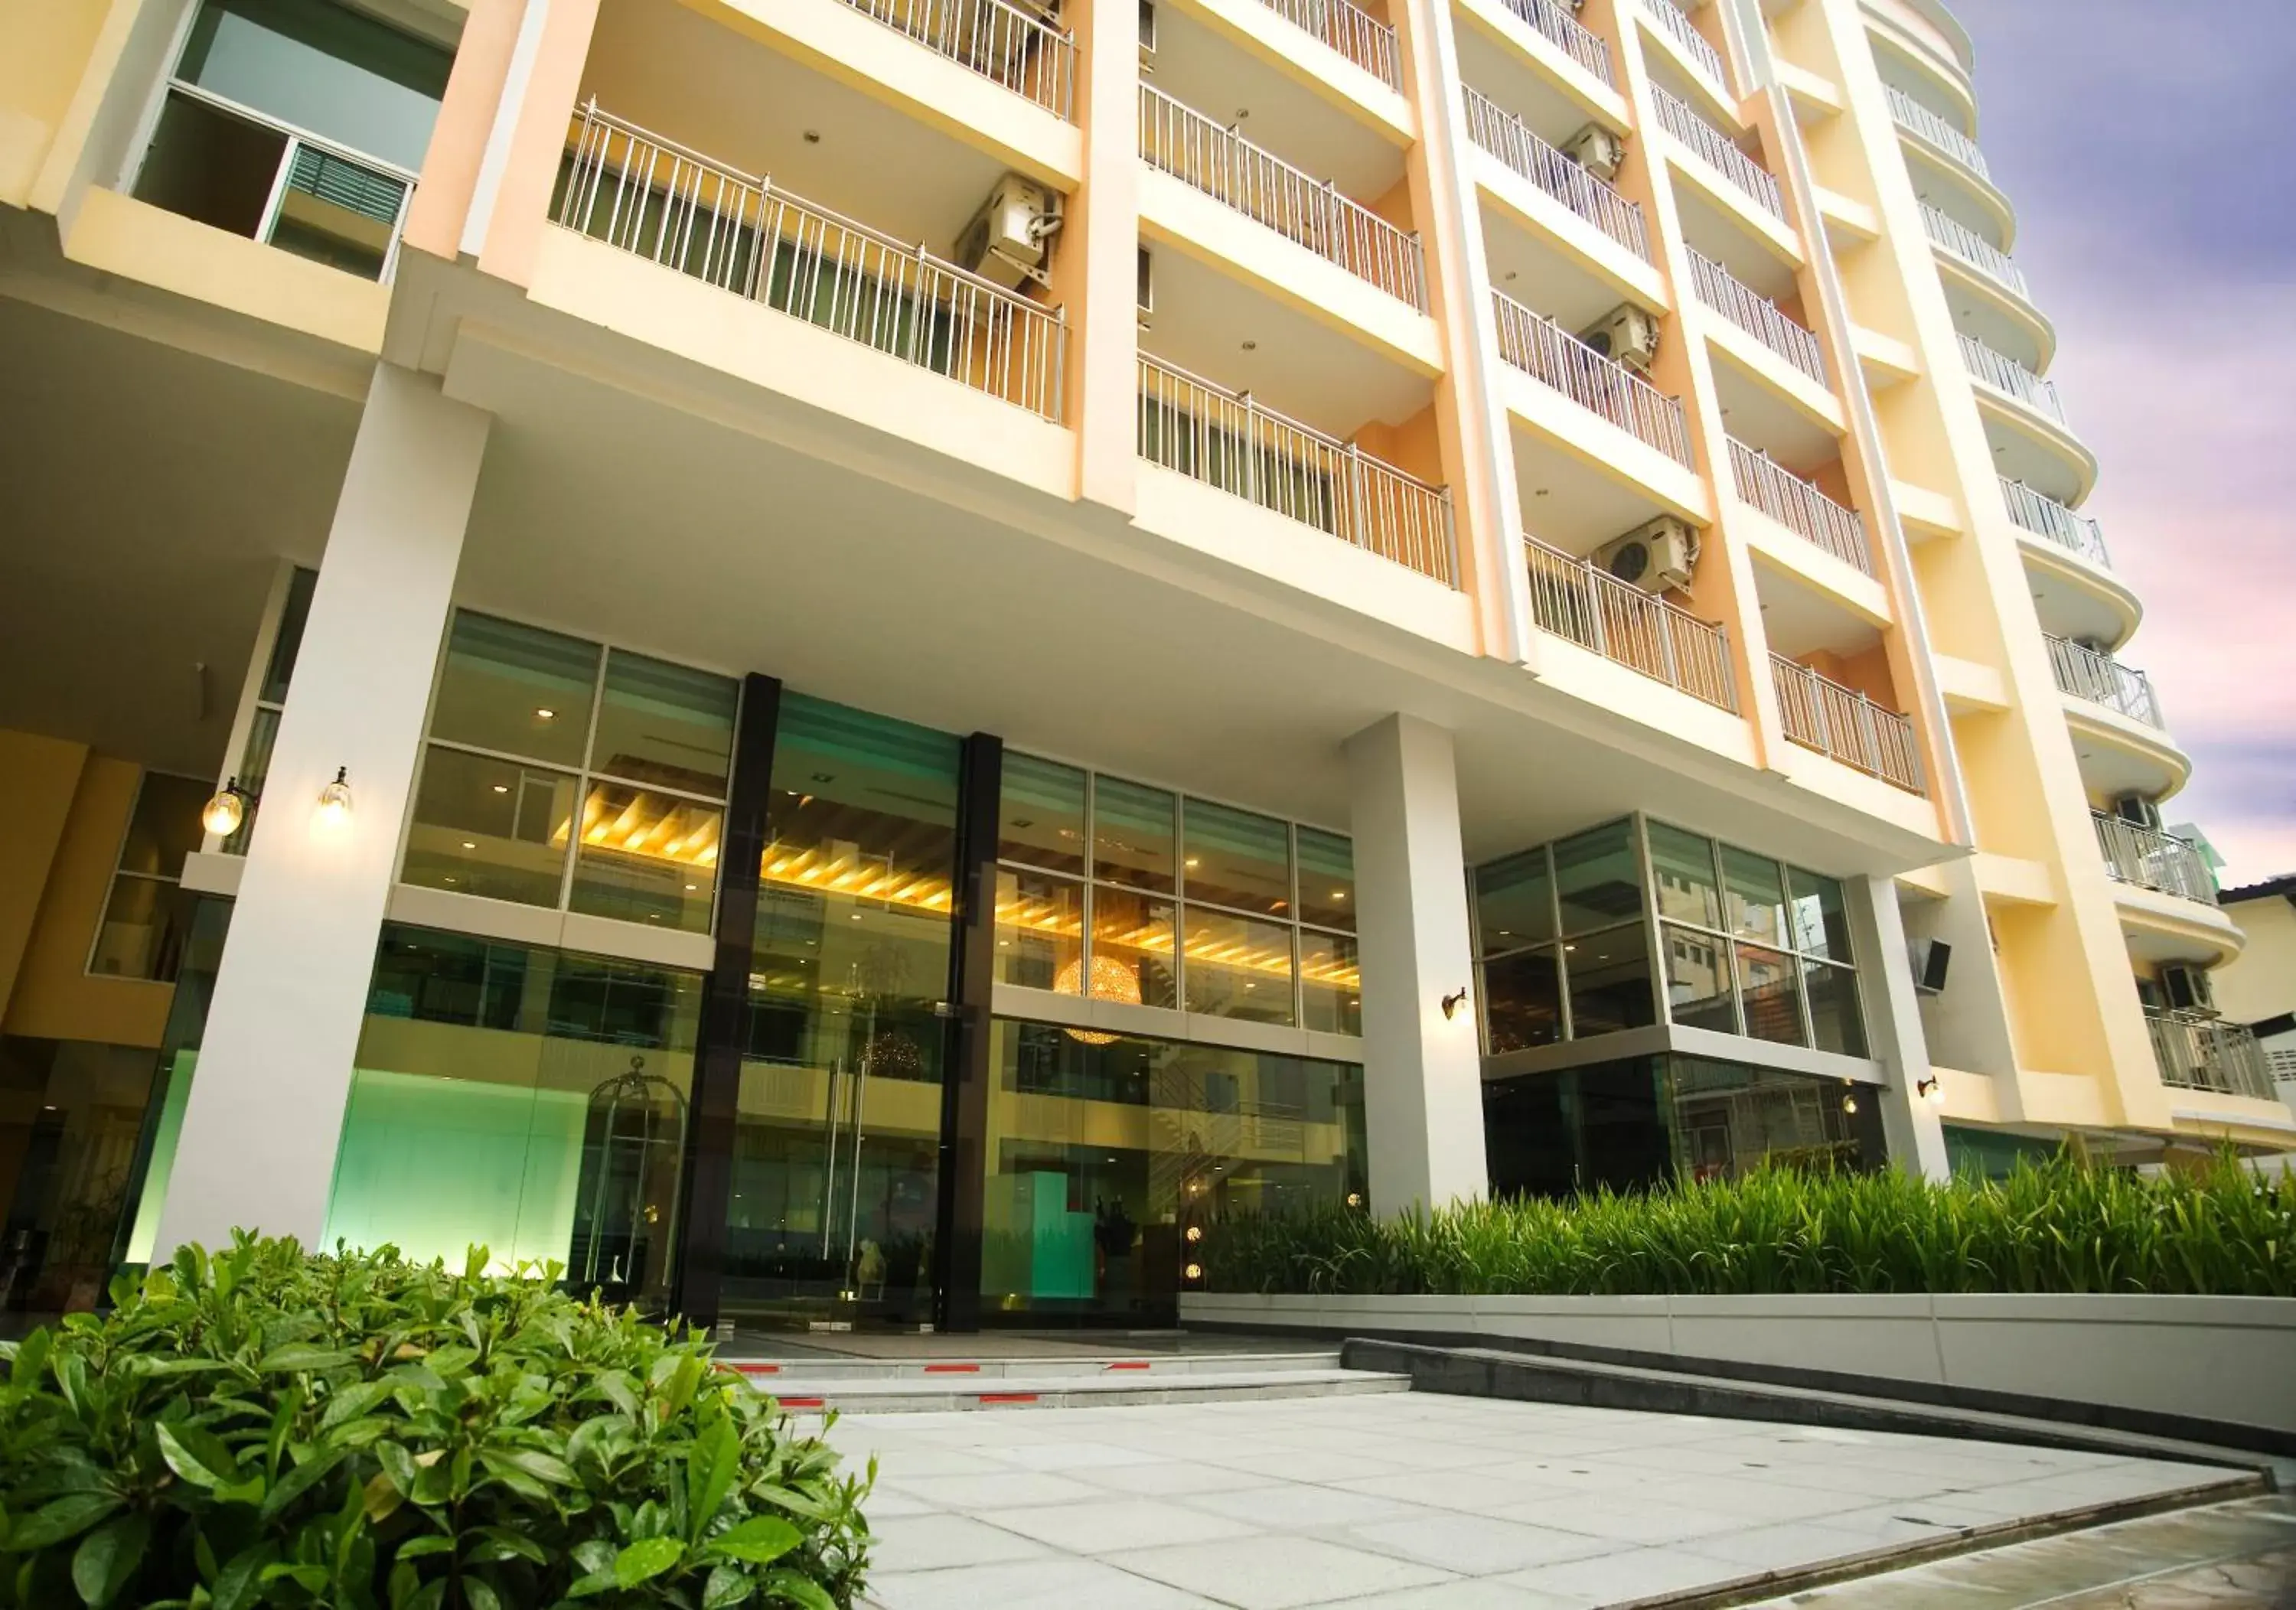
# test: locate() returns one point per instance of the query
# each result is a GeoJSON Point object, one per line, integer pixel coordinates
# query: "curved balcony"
{"type": "Point", "coordinates": [1674, 23]}
{"type": "Point", "coordinates": [2033, 440]}
{"type": "Point", "coordinates": [2044, 516]}
{"type": "Point", "coordinates": [1800, 506]}
{"type": "Point", "coordinates": [1820, 714]}
{"type": "Point", "coordinates": [1934, 132]}
{"type": "Point", "coordinates": [1514, 142]}
{"type": "Point", "coordinates": [1755, 313]}
{"type": "Point", "coordinates": [1957, 239]}
{"type": "Point", "coordinates": [2148, 858]}
{"type": "Point", "coordinates": [2101, 680]}
{"type": "Point", "coordinates": [2074, 587]}
{"type": "Point", "coordinates": [2114, 716]}
{"type": "Point", "coordinates": [1576, 599]}
{"type": "Point", "coordinates": [1543, 349]}
{"type": "Point", "coordinates": [1718, 151]}
{"type": "Point", "coordinates": [1559, 26]}
{"type": "Point", "coordinates": [2197, 1052]}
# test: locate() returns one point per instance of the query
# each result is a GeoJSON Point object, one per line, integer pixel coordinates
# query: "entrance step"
{"type": "Point", "coordinates": [1092, 1366]}
{"type": "Point", "coordinates": [944, 1384]}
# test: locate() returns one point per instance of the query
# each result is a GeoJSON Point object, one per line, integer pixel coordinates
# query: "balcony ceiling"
{"type": "Point", "coordinates": [1528, 265]}
{"type": "Point", "coordinates": [1498, 67]}
{"type": "Point", "coordinates": [1760, 414]}
{"type": "Point", "coordinates": [1801, 620]}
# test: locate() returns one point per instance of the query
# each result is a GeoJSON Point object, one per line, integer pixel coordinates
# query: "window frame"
{"type": "Point", "coordinates": [112, 884]}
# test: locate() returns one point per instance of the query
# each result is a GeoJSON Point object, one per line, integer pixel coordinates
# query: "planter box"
{"type": "Point", "coordinates": [2227, 1359]}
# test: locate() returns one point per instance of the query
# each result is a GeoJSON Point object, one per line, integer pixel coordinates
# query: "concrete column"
{"type": "Point", "coordinates": [1893, 1027]}
{"type": "Point", "coordinates": [266, 1112]}
{"type": "Point", "coordinates": [1422, 1071]}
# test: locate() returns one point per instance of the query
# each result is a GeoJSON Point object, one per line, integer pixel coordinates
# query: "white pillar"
{"type": "Point", "coordinates": [1910, 1123]}
{"type": "Point", "coordinates": [258, 1148]}
{"type": "Point", "coordinates": [1422, 1071]}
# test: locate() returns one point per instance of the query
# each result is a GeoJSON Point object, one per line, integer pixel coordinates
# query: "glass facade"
{"type": "Point", "coordinates": [1113, 1160]}
{"type": "Point", "coordinates": [271, 703]}
{"type": "Point", "coordinates": [70, 1112]}
{"type": "Point", "coordinates": [147, 914]}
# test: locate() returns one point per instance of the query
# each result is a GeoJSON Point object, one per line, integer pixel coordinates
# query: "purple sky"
{"type": "Point", "coordinates": [2149, 149]}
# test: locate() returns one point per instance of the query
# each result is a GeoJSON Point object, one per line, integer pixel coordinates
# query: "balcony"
{"type": "Point", "coordinates": [1717, 150]}
{"type": "Point", "coordinates": [1799, 506]}
{"type": "Point", "coordinates": [2044, 516]}
{"type": "Point", "coordinates": [1958, 240]}
{"type": "Point", "coordinates": [1264, 188]}
{"type": "Point", "coordinates": [2100, 679]}
{"type": "Point", "coordinates": [2206, 1054]}
{"type": "Point", "coordinates": [1006, 43]}
{"type": "Point", "coordinates": [1576, 599]}
{"type": "Point", "coordinates": [1350, 30]}
{"type": "Point", "coordinates": [2011, 378]}
{"type": "Point", "coordinates": [1935, 132]}
{"type": "Point", "coordinates": [1755, 313]}
{"type": "Point", "coordinates": [659, 201]}
{"type": "Point", "coordinates": [2147, 858]}
{"type": "Point", "coordinates": [1512, 141]}
{"type": "Point", "coordinates": [1553, 19]}
{"type": "Point", "coordinates": [1820, 714]}
{"type": "Point", "coordinates": [1541, 348]}
{"type": "Point", "coordinates": [1224, 439]}
{"type": "Point", "coordinates": [1674, 23]}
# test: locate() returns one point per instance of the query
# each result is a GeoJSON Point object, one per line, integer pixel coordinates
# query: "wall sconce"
{"type": "Point", "coordinates": [1930, 1090]}
{"type": "Point", "coordinates": [335, 799]}
{"type": "Point", "coordinates": [1849, 1098]}
{"type": "Point", "coordinates": [225, 810]}
{"type": "Point", "coordinates": [1452, 1002]}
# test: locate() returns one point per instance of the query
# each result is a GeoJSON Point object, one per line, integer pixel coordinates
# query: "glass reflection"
{"type": "Point", "coordinates": [1514, 903]}
{"type": "Point", "coordinates": [1040, 813]}
{"type": "Point", "coordinates": [1132, 834]}
{"type": "Point", "coordinates": [1756, 897]}
{"type": "Point", "coordinates": [1131, 950]}
{"type": "Point", "coordinates": [515, 690]}
{"type": "Point", "coordinates": [1683, 864]}
{"type": "Point", "coordinates": [1598, 877]}
{"type": "Point", "coordinates": [1331, 984]}
{"type": "Point", "coordinates": [647, 857]}
{"type": "Point", "coordinates": [1327, 880]}
{"type": "Point", "coordinates": [1238, 967]}
{"type": "Point", "coordinates": [1821, 920]}
{"type": "Point", "coordinates": [1610, 980]}
{"type": "Point", "coordinates": [1699, 990]}
{"type": "Point", "coordinates": [1769, 995]}
{"type": "Point", "coordinates": [1522, 1000]}
{"type": "Point", "coordinates": [487, 827]}
{"type": "Point", "coordinates": [1837, 1024]}
{"type": "Point", "coordinates": [665, 724]}
{"type": "Point", "coordinates": [1237, 859]}
{"type": "Point", "coordinates": [1039, 928]}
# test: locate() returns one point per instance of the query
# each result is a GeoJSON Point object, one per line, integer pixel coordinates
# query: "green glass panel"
{"type": "Point", "coordinates": [1523, 1002]}
{"type": "Point", "coordinates": [1821, 920]}
{"type": "Point", "coordinates": [279, 670]}
{"type": "Point", "coordinates": [1698, 983]}
{"type": "Point", "coordinates": [515, 690]}
{"type": "Point", "coordinates": [490, 828]}
{"type": "Point", "coordinates": [647, 857]}
{"type": "Point", "coordinates": [1236, 967]}
{"type": "Point", "coordinates": [1682, 864]}
{"type": "Point", "coordinates": [1235, 858]}
{"type": "Point", "coordinates": [1132, 834]}
{"type": "Point", "coordinates": [1039, 930]}
{"type": "Point", "coordinates": [1755, 897]}
{"type": "Point", "coordinates": [1327, 880]}
{"type": "Point", "coordinates": [665, 724]}
{"type": "Point", "coordinates": [1040, 813]}
{"type": "Point", "coordinates": [1770, 995]}
{"type": "Point", "coordinates": [1514, 903]}
{"type": "Point", "coordinates": [1837, 1023]}
{"type": "Point", "coordinates": [1598, 877]}
{"type": "Point", "coordinates": [1610, 982]}
{"type": "Point", "coordinates": [1331, 984]}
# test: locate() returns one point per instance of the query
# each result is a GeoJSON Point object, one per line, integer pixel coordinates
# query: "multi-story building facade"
{"type": "Point", "coordinates": [630, 507]}
{"type": "Point", "coordinates": [2256, 991]}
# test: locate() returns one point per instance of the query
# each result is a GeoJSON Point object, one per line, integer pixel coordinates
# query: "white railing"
{"type": "Point", "coordinates": [1755, 313]}
{"type": "Point", "coordinates": [1350, 30]}
{"type": "Point", "coordinates": [2006, 375]}
{"type": "Point", "coordinates": [2206, 1054]}
{"type": "Point", "coordinates": [1719, 151]}
{"type": "Point", "coordinates": [1931, 129]}
{"type": "Point", "coordinates": [2044, 516]}
{"type": "Point", "coordinates": [1952, 236]}
{"type": "Point", "coordinates": [1009, 44]}
{"type": "Point", "coordinates": [1264, 187]}
{"type": "Point", "coordinates": [1675, 24]}
{"type": "Point", "coordinates": [2085, 673]}
{"type": "Point", "coordinates": [1576, 599]}
{"type": "Point", "coordinates": [1542, 349]}
{"type": "Point", "coordinates": [1224, 439]}
{"type": "Point", "coordinates": [1820, 714]}
{"type": "Point", "coordinates": [1514, 142]}
{"type": "Point", "coordinates": [1800, 506]}
{"type": "Point", "coordinates": [1556, 20]}
{"type": "Point", "coordinates": [638, 192]}
{"type": "Point", "coordinates": [2153, 860]}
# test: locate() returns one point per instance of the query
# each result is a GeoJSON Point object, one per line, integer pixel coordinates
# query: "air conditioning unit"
{"type": "Point", "coordinates": [1627, 335]}
{"type": "Point", "coordinates": [1006, 241]}
{"type": "Point", "coordinates": [2137, 809]}
{"type": "Point", "coordinates": [1598, 150]}
{"type": "Point", "coordinates": [2188, 989]}
{"type": "Point", "coordinates": [1656, 557]}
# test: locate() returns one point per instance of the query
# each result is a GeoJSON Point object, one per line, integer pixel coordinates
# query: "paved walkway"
{"type": "Point", "coordinates": [1413, 1502]}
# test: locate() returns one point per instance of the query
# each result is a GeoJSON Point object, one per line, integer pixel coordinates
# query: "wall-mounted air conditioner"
{"type": "Point", "coordinates": [1006, 240]}
{"type": "Point", "coordinates": [1627, 336]}
{"type": "Point", "coordinates": [1657, 558]}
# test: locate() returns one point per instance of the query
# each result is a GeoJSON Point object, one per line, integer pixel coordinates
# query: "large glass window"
{"type": "Point", "coordinates": [327, 68]}
{"type": "Point", "coordinates": [70, 1113]}
{"type": "Point", "coordinates": [147, 912]}
{"type": "Point", "coordinates": [270, 704]}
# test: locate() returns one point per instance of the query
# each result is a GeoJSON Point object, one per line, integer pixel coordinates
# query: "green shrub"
{"type": "Point", "coordinates": [267, 1427]}
{"type": "Point", "coordinates": [2062, 1226]}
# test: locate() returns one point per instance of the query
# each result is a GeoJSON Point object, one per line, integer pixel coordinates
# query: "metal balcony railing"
{"type": "Point", "coordinates": [1755, 313]}
{"type": "Point", "coordinates": [2206, 1054]}
{"type": "Point", "coordinates": [1820, 714]}
{"type": "Point", "coordinates": [1957, 239]}
{"type": "Point", "coordinates": [1576, 599]}
{"type": "Point", "coordinates": [1224, 439]}
{"type": "Point", "coordinates": [1564, 31]}
{"type": "Point", "coordinates": [2085, 673]}
{"type": "Point", "coordinates": [1542, 349]}
{"type": "Point", "coordinates": [2006, 375]}
{"type": "Point", "coordinates": [2150, 859]}
{"type": "Point", "coordinates": [1799, 505]}
{"type": "Point", "coordinates": [1675, 24]}
{"type": "Point", "coordinates": [1350, 30]}
{"type": "Point", "coordinates": [2044, 516]}
{"type": "Point", "coordinates": [1718, 149]}
{"type": "Point", "coordinates": [1933, 130]}
{"type": "Point", "coordinates": [1514, 142]}
{"type": "Point", "coordinates": [1006, 43]}
{"type": "Point", "coordinates": [1264, 187]}
{"type": "Point", "coordinates": [659, 201]}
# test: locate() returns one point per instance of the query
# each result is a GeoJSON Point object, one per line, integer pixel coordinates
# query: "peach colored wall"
{"type": "Point", "coordinates": [1395, 206]}
{"type": "Point", "coordinates": [522, 201]}
{"type": "Point", "coordinates": [466, 116]}
{"type": "Point", "coordinates": [1096, 257]}
{"type": "Point", "coordinates": [1415, 445]}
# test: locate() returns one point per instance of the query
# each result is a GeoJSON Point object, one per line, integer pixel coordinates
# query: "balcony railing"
{"type": "Point", "coordinates": [2044, 516]}
{"type": "Point", "coordinates": [1007, 44]}
{"type": "Point", "coordinates": [638, 192]}
{"type": "Point", "coordinates": [2150, 859]}
{"type": "Point", "coordinates": [1350, 30]}
{"type": "Point", "coordinates": [1542, 349]}
{"type": "Point", "coordinates": [1567, 34]}
{"type": "Point", "coordinates": [1264, 187]}
{"type": "Point", "coordinates": [1718, 149]}
{"type": "Point", "coordinates": [1675, 24]}
{"type": "Point", "coordinates": [1799, 505]}
{"type": "Point", "coordinates": [1820, 714]}
{"type": "Point", "coordinates": [1514, 142]}
{"type": "Point", "coordinates": [1579, 599]}
{"type": "Point", "coordinates": [2205, 1054]}
{"type": "Point", "coordinates": [1224, 439]}
{"type": "Point", "coordinates": [2005, 374]}
{"type": "Point", "coordinates": [2101, 680]}
{"type": "Point", "coordinates": [1755, 313]}
{"type": "Point", "coordinates": [1927, 126]}
{"type": "Point", "coordinates": [1957, 239]}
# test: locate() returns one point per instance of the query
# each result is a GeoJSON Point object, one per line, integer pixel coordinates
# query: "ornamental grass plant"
{"type": "Point", "coordinates": [267, 1427]}
{"type": "Point", "coordinates": [2060, 1226]}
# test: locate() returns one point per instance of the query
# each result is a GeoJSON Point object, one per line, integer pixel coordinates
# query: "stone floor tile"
{"type": "Point", "coordinates": [1294, 1507]}
{"type": "Point", "coordinates": [927, 1542]}
{"type": "Point", "coordinates": [1475, 1545]}
{"type": "Point", "coordinates": [1111, 1524]}
{"type": "Point", "coordinates": [1275, 1572]}
{"type": "Point", "coordinates": [995, 1492]}
{"type": "Point", "coordinates": [1617, 1578]}
{"type": "Point", "coordinates": [1052, 1584]}
{"type": "Point", "coordinates": [1172, 1478]}
{"type": "Point", "coordinates": [1477, 1595]}
{"type": "Point", "coordinates": [1629, 1517]}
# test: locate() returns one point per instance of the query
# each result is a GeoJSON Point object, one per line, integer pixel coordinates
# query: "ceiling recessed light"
{"type": "Point", "coordinates": [470, 844]}
{"type": "Point", "coordinates": [1251, 346]}
{"type": "Point", "coordinates": [542, 714]}
{"type": "Point", "coordinates": [813, 136]}
{"type": "Point", "coordinates": [502, 788]}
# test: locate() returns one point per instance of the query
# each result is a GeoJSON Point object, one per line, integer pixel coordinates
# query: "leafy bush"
{"type": "Point", "coordinates": [267, 1427]}
{"type": "Point", "coordinates": [2062, 1226]}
